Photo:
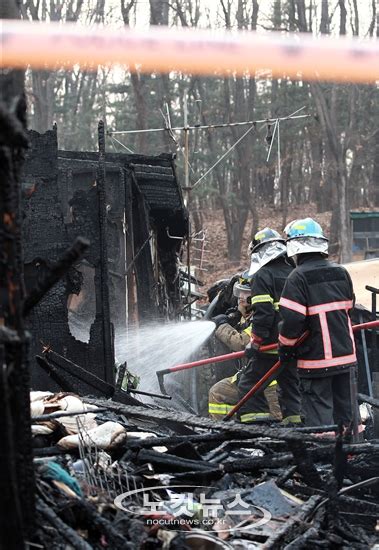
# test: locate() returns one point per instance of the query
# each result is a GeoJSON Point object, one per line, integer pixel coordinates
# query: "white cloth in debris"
{"type": "Point", "coordinates": [39, 395]}
{"type": "Point", "coordinates": [106, 436]}
{"type": "Point", "coordinates": [41, 429]}
{"type": "Point", "coordinates": [73, 403]}
{"type": "Point", "coordinates": [47, 402]}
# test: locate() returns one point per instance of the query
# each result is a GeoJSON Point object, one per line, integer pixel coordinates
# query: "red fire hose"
{"type": "Point", "coordinates": [266, 377]}
{"type": "Point", "coordinates": [217, 359]}
{"type": "Point", "coordinates": [234, 355]}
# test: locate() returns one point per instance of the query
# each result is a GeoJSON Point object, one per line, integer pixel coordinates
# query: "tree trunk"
{"type": "Point", "coordinates": [43, 99]}
{"type": "Point", "coordinates": [285, 177]}
{"type": "Point", "coordinates": [319, 186]}
{"type": "Point", "coordinates": [341, 205]}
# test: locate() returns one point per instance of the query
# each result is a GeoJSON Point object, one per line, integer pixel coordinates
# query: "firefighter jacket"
{"type": "Point", "coordinates": [318, 297]}
{"type": "Point", "coordinates": [266, 290]}
{"type": "Point", "coordinates": [235, 338]}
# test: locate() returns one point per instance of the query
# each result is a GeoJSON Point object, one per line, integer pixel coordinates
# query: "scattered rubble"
{"type": "Point", "coordinates": [123, 476]}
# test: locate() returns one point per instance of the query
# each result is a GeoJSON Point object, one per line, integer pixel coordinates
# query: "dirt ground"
{"type": "Point", "coordinates": [216, 255]}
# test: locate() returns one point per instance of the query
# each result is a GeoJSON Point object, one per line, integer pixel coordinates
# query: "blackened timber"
{"type": "Point", "coordinates": [305, 464]}
{"type": "Point", "coordinates": [104, 276]}
{"type": "Point", "coordinates": [284, 476]}
{"type": "Point", "coordinates": [90, 516]}
{"type": "Point", "coordinates": [142, 259]}
{"type": "Point", "coordinates": [129, 252]}
{"type": "Point", "coordinates": [57, 374]}
{"type": "Point", "coordinates": [303, 541]}
{"type": "Point", "coordinates": [69, 534]}
{"type": "Point", "coordinates": [56, 272]}
{"type": "Point", "coordinates": [39, 452]}
{"type": "Point", "coordinates": [72, 377]}
{"type": "Point", "coordinates": [12, 131]}
{"type": "Point", "coordinates": [216, 471]}
{"type": "Point", "coordinates": [295, 526]}
{"type": "Point", "coordinates": [164, 159]}
{"type": "Point", "coordinates": [198, 438]}
{"type": "Point", "coordinates": [165, 462]}
{"type": "Point", "coordinates": [366, 399]}
{"type": "Point", "coordinates": [183, 418]}
{"type": "Point", "coordinates": [17, 506]}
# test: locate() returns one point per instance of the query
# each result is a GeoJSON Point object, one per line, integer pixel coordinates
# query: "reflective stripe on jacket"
{"type": "Point", "coordinates": [219, 408]}
{"type": "Point", "coordinates": [318, 297]}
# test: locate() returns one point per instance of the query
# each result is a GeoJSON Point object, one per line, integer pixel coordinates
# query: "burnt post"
{"type": "Point", "coordinates": [16, 461]}
{"type": "Point", "coordinates": [102, 305]}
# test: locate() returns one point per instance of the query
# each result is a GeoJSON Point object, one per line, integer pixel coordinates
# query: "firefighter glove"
{"type": "Point", "coordinates": [234, 316]}
{"type": "Point", "coordinates": [253, 346]}
{"type": "Point", "coordinates": [220, 320]}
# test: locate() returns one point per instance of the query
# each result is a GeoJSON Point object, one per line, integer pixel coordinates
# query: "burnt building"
{"type": "Point", "coordinates": [129, 207]}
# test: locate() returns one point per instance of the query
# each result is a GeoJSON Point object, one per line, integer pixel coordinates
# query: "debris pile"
{"type": "Point", "coordinates": [117, 476]}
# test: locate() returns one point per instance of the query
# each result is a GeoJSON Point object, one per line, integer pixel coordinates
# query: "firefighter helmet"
{"type": "Point", "coordinates": [305, 228]}
{"type": "Point", "coordinates": [243, 285]}
{"type": "Point", "coordinates": [264, 236]}
{"type": "Point", "coordinates": [304, 237]}
{"type": "Point", "coordinates": [287, 228]}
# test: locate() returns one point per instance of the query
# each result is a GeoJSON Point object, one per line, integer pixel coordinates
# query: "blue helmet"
{"type": "Point", "coordinates": [305, 228]}
{"type": "Point", "coordinates": [287, 228]}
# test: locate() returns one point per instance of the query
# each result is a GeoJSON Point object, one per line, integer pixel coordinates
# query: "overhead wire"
{"type": "Point", "coordinates": [210, 126]}
{"type": "Point", "coordinates": [223, 156]}
{"type": "Point", "coordinates": [120, 143]}
{"type": "Point", "coordinates": [252, 123]}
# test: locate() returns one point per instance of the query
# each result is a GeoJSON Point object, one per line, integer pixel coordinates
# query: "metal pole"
{"type": "Point", "coordinates": [365, 355]}
{"type": "Point", "coordinates": [354, 404]}
{"type": "Point", "coordinates": [187, 195]}
{"type": "Point", "coordinates": [207, 126]}
{"type": "Point", "coordinates": [104, 308]}
{"type": "Point", "coordinates": [374, 344]}
{"type": "Point", "coordinates": [187, 199]}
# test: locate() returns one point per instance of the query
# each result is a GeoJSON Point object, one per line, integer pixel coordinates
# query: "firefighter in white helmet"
{"type": "Point", "coordinates": [318, 297]}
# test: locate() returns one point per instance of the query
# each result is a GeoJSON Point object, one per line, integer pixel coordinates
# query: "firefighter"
{"type": "Point", "coordinates": [234, 329]}
{"type": "Point", "coordinates": [270, 268]}
{"type": "Point", "coordinates": [318, 297]}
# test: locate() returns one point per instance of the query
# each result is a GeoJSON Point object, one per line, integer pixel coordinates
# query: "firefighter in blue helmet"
{"type": "Point", "coordinates": [234, 330]}
{"type": "Point", "coordinates": [318, 297]}
{"type": "Point", "coordinates": [270, 269]}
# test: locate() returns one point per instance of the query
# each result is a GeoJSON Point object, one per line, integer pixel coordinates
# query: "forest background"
{"type": "Point", "coordinates": [327, 165]}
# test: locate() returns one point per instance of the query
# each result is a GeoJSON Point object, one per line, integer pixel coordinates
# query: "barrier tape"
{"type": "Point", "coordinates": [50, 45]}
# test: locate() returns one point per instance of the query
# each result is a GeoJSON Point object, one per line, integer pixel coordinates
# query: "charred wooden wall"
{"type": "Point", "coordinates": [60, 202]}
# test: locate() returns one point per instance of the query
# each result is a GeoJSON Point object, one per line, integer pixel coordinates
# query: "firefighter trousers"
{"type": "Point", "coordinates": [257, 408]}
{"type": "Point", "coordinates": [326, 400]}
{"type": "Point", "coordinates": [224, 395]}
